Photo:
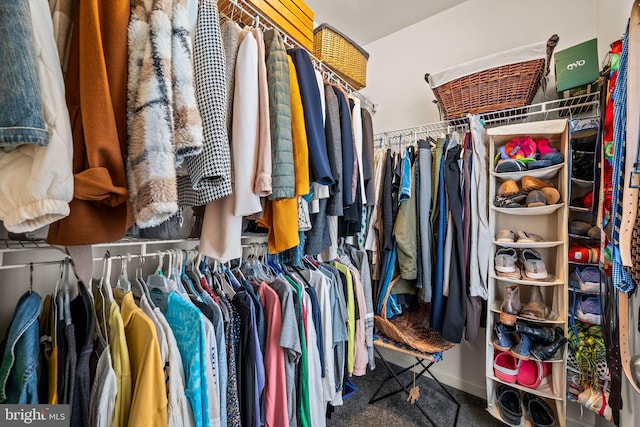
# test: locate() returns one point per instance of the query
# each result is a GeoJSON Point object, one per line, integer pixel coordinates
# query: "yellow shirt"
{"type": "Point", "coordinates": [119, 354]}
{"type": "Point", "coordinates": [149, 401]}
{"type": "Point", "coordinates": [47, 325]}
{"type": "Point", "coordinates": [351, 321]}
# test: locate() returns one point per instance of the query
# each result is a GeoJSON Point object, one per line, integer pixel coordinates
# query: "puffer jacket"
{"type": "Point", "coordinates": [282, 174]}
{"type": "Point", "coordinates": [36, 183]}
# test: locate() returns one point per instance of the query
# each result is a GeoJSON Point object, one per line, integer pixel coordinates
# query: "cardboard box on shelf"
{"type": "Point", "coordinates": [577, 69]}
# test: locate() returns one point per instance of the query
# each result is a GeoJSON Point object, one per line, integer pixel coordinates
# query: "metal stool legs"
{"type": "Point", "coordinates": [405, 388]}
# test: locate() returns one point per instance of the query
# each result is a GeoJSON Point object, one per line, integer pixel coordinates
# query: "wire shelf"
{"type": "Point", "coordinates": [587, 105]}
{"type": "Point", "coordinates": [577, 106]}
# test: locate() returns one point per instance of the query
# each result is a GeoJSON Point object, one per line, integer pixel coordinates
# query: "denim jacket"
{"type": "Point", "coordinates": [21, 115]}
{"type": "Point", "coordinates": [19, 353]}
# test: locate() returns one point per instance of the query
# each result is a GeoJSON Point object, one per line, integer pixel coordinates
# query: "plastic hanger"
{"type": "Point", "coordinates": [65, 290]}
{"type": "Point", "coordinates": [176, 264]}
{"type": "Point", "coordinates": [186, 280]}
{"type": "Point", "coordinates": [158, 286]}
{"type": "Point", "coordinates": [158, 280]}
{"type": "Point", "coordinates": [105, 280]}
{"type": "Point", "coordinates": [124, 284]}
{"type": "Point", "coordinates": [142, 285]}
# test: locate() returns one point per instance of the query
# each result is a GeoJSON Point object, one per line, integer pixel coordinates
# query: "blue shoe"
{"type": "Point", "coordinates": [503, 340]}
{"type": "Point", "coordinates": [555, 158]}
{"type": "Point", "coordinates": [539, 164]}
{"type": "Point", "coordinates": [510, 165]}
{"type": "Point", "coordinates": [522, 350]}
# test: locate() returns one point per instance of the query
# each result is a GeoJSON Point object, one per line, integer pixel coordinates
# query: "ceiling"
{"type": "Point", "coordinates": [365, 21]}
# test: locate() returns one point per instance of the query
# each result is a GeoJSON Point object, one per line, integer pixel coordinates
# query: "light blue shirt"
{"type": "Point", "coordinates": [188, 328]}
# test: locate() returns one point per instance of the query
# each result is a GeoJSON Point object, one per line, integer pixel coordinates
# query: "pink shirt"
{"type": "Point", "coordinates": [275, 388]}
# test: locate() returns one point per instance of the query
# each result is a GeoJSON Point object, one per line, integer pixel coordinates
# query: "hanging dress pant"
{"type": "Point", "coordinates": [455, 305]}
{"type": "Point", "coordinates": [424, 208]}
{"type": "Point", "coordinates": [439, 218]}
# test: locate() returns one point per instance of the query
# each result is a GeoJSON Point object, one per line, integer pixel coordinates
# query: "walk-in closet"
{"type": "Point", "coordinates": [319, 213]}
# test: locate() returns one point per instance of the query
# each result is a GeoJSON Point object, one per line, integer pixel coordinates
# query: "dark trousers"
{"type": "Point", "coordinates": [455, 304]}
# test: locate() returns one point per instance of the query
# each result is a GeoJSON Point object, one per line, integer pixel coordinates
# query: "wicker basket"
{"type": "Point", "coordinates": [341, 54]}
{"type": "Point", "coordinates": [507, 86]}
{"type": "Point", "coordinates": [411, 327]}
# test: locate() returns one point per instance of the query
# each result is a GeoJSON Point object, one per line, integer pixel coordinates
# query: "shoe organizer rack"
{"type": "Point", "coordinates": [549, 222]}
{"type": "Point", "coordinates": [582, 156]}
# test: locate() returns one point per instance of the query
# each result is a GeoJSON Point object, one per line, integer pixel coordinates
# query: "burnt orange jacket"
{"type": "Point", "coordinates": [96, 92]}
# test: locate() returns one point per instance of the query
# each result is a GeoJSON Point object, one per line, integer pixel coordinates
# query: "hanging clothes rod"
{"type": "Point", "coordinates": [412, 134]}
{"type": "Point", "coordinates": [244, 12]}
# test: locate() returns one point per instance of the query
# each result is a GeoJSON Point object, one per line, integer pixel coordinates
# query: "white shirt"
{"type": "Point", "coordinates": [245, 129]}
{"type": "Point", "coordinates": [316, 398]}
{"type": "Point", "coordinates": [322, 285]}
{"type": "Point", "coordinates": [104, 390]}
{"type": "Point", "coordinates": [213, 389]}
{"type": "Point", "coordinates": [356, 115]}
{"type": "Point", "coordinates": [480, 236]}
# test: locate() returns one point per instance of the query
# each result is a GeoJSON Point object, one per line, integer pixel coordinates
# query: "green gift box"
{"type": "Point", "coordinates": [577, 69]}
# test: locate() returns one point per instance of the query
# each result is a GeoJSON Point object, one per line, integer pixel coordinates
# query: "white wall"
{"type": "Point", "coordinates": [473, 29]}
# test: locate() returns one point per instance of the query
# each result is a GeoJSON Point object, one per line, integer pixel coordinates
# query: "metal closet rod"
{"type": "Point", "coordinates": [158, 253]}
{"type": "Point", "coordinates": [60, 261]}
{"type": "Point", "coordinates": [260, 21]}
{"type": "Point", "coordinates": [412, 133]}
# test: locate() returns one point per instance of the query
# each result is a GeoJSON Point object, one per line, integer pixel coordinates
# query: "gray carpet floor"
{"type": "Point", "coordinates": [395, 411]}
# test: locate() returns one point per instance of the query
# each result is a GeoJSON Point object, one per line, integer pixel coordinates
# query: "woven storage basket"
{"type": "Point", "coordinates": [411, 327]}
{"type": "Point", "coordinates": [507, 86]}
{"type": "Point", "coordinates": [341, 54]}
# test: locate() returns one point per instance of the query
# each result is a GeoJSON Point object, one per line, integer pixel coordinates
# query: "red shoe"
{"type": "Point", "coordinates": [579, 253]}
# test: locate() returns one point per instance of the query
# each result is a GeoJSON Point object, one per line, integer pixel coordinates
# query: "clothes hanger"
{"type": "Point", "coordinates": [195, 271]}
{"type": "Point", "coordinates": [158, 280]}
{"type": "Point", "coordinates": [105, 280]}
{"type": "Point", "coordinates": [301, 275]}
{"type": "Point", "coordinates": [309, 263]}
{"type": "Point", "coordinates": [186, 280]}
{"type": "Point", "coordinates": [65, 290]}
{"type": "Point", "coordinates": [158, 286]}
{"type": "Point", "coordinates": [141, 284]}
{"type": "Point", "coordinates": [123, 283]}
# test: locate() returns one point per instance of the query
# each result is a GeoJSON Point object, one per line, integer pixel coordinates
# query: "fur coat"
{"type": "Point", "coordinates": [164, 123]}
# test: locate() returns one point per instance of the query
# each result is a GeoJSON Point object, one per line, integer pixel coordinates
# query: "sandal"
{"type": "Point", "coordinates": [532, 372]}
{"type": "Point", "coordinates": [596, 401]}
{"type": "Point", "coordinates": [510, 201]}
{"type": "Point", "coordinates": [535, 308]}
{"type": "Point", "coordinates": [505, 236]}
{"type": "Point", "coordinates": [509, 404]}
{"type": "Point", "coordinates": [524, 237]}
